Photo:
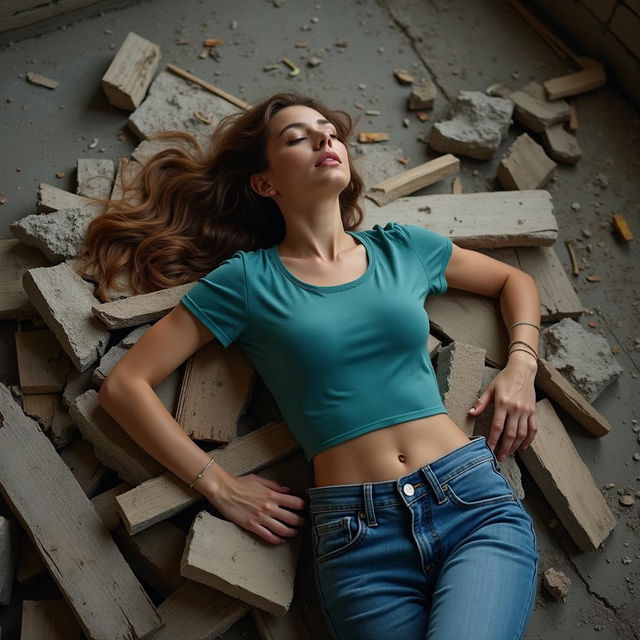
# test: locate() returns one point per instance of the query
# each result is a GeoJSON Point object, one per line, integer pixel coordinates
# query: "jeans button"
{"type": "Point", "coordinates": [408, 489]}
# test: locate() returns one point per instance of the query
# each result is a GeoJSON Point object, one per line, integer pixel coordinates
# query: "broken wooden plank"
{"type": "Point", "coordinates": [414, 179]}
{"type": "Point", "coordinates": [162, 497]}
{"type": "Point", "coordinates": [466, 317]}
{"type": "Point", "coordinates": [216, 388]}
{"type": "Point", "coordinates": [129, 75]}
{"type": "Point", "coordinates": [15, 259]}
{"type": "Point", "coordinates": [561, 391]}
{"type": "Point", "coordinates": [86, 468]}
{"type": "Point", "coordinates": [574, 83]}
{"type": "Point", "coordinates": [97, 583]}
{"type": "Point", "coordinates": [476, 220]}
{"type": "Point", "coordinates": [223, 555]}
{"type": "Point", "coordinates": [43, 366]}
{"type": "Point", "coordinates": [459, 374]}
{"type": "Point", "coordinates": [37, 78]}
{"type": "Point", "coordinates": [48, 620]}
{"type": "Point", "coordinates": [209, 87]}
{"type": "Point", "coordinates": [113, 446]}
{"type": "Point", "coordinates": [622, 228]}
{"type": "Point", "coordinates": [558, 298]}
{"type": "Point", "coordinates": [566, 482]}
{"type": "Point", "coordinates": [197, 612]}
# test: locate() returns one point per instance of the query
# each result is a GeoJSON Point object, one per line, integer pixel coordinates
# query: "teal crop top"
{"type": "Point", "coordinates": [340, 360]}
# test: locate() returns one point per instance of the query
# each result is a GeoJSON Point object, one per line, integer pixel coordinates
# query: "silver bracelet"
{"type": "Point", "coordinates": [202, 472]}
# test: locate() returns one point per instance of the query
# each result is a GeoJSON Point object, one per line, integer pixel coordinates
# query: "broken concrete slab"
{"type": "Point", "coordinates": [65, 302]}
{"type": "Point", "coordinates": [422, 96]}
{"type": "Point", "coordinates": [476, 220]}
{"type": "Point", "coordinates": [532, 109]}
{"type": "Point", "coordinates": [52, 198]}
{"type": "Point", "coordinates": [140, 309]}
{"type": "Point", "coordinates": [95, 177]}
{"type": "Point", "coordinates": [171, 104]}
{"type": "Point", "coordinates": [525, 165]}
{"type": "Point", "coordinates": [459, 375]}
{"type": "Point", "coordinates": [223, 555]}
{"type": "Point", "coordinates": [583, 357]}
{"type": "Point", "coordinates": [376, 164]}
{"type": "Point", "coordinates": [561, 145]}
{"type": "Point", "coordinates": [566, 482]}
{"type": "Point", "coordinates": [476, 128]}
{"type": "Point", "coordinates": [113, 446]}
{"type": "Point", "coordinates": [59, 235]}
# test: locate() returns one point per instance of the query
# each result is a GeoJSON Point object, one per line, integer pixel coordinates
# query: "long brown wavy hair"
{"type": "Point", "coordinates": [194, 208]}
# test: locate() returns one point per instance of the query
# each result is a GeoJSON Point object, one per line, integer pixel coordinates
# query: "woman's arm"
{"type": "Point", "coordinates": [251, 501]}
{"type": "Point", "coordinates": [512, 390]}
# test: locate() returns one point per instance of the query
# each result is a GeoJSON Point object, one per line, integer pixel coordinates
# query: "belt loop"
{"type": "Point", "coordinates": [368, 505]}
{"type": "Point", "coordinates": [435, 484]}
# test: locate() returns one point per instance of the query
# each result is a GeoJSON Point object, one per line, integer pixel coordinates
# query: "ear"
{"type": "Point", "coordinates": [261, 185]}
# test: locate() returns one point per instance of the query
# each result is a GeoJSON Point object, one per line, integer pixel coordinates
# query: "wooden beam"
{"type": "Point", "coordinates": [575, 83]}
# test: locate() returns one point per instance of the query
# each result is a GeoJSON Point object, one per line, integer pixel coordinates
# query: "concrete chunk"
{"type": "Point", "coordinates": [422, 96]}
{"type": "Point", "coordinates": [172, 103]}
{"type": "Point", "coordinates": [58, 235]}
{"type": "Point", "coordinates": [525, 165]}
{"type": "Point", "coordinates": [225, 556]}
{"type": "Point", "coordinates": [532, 109]}
{"type": "Point", "coordinates": [584, 358]}
{"type": "Point", "coordinates": [557, 583]}
{"type": "Point", "coordinates": [95, 177]}
{"type": "Point", "coordinates": [65, 301]}
{"type": "Point", "coordinates": [476, 128]}
{"type": "Point", "coordinates": [561, 144]}
{"type": "Point", "coordinates": [459, 375]}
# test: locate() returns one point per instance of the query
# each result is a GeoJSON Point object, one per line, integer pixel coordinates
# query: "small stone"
{"type": "Point", "coordinates": [556, 583]}
{"type": "Point", "coordinates": [515, 75]}
{"type": "Point", "coordinates": [636, 456]}
{"type": "Point", "coordinates": [315, 19]}
{"type": "Point", "coordinates": [314, 61]}
{"type": "Point", "coordinates": [626, 500]}
{"type": "Point", "coordinates": [403, 76]}
{"type": "Point", "coordinates": [405, 122]}
{"type": "Point", "coordinates": [601, 180]}
{"type": "Point", "coordinates": [586, 233]}
{"type": "Point", "coordinates": [576, 206]}
{"type": "Point", "coordinates": [626, 560]}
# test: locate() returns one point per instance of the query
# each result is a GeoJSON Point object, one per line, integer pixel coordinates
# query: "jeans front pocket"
{"type": "Point", "coordinates": [479, 485]}
{"type": "Point", "coordinates": [335, 532]}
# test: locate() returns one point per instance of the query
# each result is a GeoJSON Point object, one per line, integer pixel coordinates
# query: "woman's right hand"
{"type": "Point", "coordinates": [258, 505]}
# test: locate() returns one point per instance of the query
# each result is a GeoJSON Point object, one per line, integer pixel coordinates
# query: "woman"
{"type": "Point", "coordinates": [416, 533]}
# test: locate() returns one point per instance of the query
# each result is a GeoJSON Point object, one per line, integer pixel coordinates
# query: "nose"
{"type": "Point", "coordinates": [325, 137]}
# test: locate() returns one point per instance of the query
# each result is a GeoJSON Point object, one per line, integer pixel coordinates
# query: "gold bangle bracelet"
{"type": "Point", "coordinates": [524, 343]}
{"type": "Point", "coordinates": [515, 324]}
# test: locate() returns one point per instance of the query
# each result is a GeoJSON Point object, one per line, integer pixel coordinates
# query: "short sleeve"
{"type": "Point", "coordinates": [433, 250]}
{"type": "Point", "coordinates": [219, 300]}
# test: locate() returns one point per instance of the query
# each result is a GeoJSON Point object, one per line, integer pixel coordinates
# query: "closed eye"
{"type": "Point", "coordinates": [333, 135]}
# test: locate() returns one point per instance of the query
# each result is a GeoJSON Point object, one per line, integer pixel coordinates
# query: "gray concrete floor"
{"type": "Point", "coordinates": [461, 45]}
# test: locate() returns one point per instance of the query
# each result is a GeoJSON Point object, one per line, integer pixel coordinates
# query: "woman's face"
{"type": "Point", "coordinates": [297, 138]}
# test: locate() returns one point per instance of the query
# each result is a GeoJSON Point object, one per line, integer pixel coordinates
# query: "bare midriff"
{"type": "Point", "coordinates": [389, 452]}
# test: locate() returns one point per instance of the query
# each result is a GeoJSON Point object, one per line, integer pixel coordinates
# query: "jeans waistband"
{"type": "Point", "coordinates": [429, 478]}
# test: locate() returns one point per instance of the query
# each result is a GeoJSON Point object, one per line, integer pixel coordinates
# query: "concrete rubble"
{"type": "Point", "coordinates": [215, 561]}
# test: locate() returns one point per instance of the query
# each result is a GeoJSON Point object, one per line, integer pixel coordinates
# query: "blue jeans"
{"type": "Point", "coordinates": [446, 552]}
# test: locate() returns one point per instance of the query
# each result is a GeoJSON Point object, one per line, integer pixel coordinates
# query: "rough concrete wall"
{"type": "Point", "coordinates": [608, 30]}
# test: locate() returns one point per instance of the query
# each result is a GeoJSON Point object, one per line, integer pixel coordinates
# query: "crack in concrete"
{"type": "Point", "coordinates": [624, 349]}
{"type": "Point", "coordinates": [406, 29]}
{"type": "Point", "coordinates": [602, 599]}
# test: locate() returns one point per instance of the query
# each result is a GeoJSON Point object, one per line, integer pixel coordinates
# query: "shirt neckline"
{"type": "Point", "coordinates": [371, 257]}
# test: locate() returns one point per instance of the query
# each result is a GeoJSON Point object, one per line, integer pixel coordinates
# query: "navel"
{"type": "Point", "coordinates": [402, 457]}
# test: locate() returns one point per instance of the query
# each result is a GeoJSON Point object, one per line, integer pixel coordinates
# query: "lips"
{"type": "Point", "coordinates": [327, 154]}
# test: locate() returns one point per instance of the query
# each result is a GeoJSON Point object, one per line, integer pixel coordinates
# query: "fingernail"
{"type": "Point", "coordinates": [472, 409]}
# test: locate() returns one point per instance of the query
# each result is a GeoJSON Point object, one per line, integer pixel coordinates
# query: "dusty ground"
{"type": "Point", "coordinates": [460, 45]}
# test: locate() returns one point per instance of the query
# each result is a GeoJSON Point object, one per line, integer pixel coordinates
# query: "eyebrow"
{"type": "Point", "coordinates": [302, 124]}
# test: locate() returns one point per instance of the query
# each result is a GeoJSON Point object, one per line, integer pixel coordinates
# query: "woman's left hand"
{"type": "Point", "coordinates": [514, 398]}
